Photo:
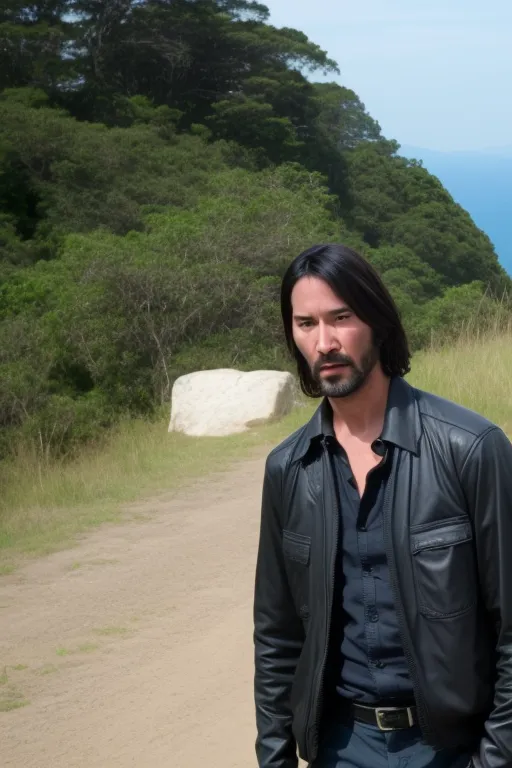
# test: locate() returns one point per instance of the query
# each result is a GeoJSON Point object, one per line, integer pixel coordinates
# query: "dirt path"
{"type": "Point", "coordinates": [135, 647]}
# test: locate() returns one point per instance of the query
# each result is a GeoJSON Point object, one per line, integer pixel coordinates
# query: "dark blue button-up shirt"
{"type": "Point", "coordinates": [369, 663]}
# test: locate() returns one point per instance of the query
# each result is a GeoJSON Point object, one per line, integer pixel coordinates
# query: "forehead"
{"type": "Point", "coordinates": [311, 296]}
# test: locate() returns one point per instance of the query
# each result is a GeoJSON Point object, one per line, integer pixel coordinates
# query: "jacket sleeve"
{"type": "Point", "coordinates": [278, 637]}
{"type": "Point", "coordinates": [487, 480]}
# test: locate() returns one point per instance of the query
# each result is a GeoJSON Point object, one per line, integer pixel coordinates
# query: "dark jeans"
{"type": "Point", "coordinates": [357, 745]}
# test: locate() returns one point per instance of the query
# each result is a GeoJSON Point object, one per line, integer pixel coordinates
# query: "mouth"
{"type": "Point", "coordinates": [333, 367]}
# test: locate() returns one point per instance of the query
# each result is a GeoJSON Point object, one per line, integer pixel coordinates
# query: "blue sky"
{"type": "Point", "coordinates": [435, 74]}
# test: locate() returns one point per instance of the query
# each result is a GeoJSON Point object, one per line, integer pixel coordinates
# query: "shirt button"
{"type": "Point", "coordinates": [379, 665]}
{"type": "Point", "coordinates": [367, 569]}
{"type": "Point", "coordinates": [374, 616]}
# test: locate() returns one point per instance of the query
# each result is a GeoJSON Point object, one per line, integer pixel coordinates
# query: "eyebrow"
{"type": "Point", "coordinates": [332, 312]}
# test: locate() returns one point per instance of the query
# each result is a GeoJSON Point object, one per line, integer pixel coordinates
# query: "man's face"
{"type": "Point", "coordinates": [337, 345]}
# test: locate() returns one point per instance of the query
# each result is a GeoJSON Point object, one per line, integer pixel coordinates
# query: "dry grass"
{"type": "Point", "coordinates": [476, 372]}
{"type": "Point", "coordinates": [44, 506]}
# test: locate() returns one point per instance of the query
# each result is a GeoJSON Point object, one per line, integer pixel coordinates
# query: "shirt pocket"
{"type": "Point", "coordinates": [444, 568]}
{"type": "Point", "coordinates": [297, 551]}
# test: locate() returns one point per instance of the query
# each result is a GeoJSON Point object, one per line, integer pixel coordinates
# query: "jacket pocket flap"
{"type": "Point", "coordinates": [296, 546]}
{"type": "Point", "coordinates": [445, 536]}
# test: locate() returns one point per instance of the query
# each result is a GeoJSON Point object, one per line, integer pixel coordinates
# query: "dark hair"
{"type": "Point", "coordinates": [356, 282]}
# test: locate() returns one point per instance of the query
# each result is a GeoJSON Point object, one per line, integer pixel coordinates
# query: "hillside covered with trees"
{"type": "Point", "coordinates": [161, 161]}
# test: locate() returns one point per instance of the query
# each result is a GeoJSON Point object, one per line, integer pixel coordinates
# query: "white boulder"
{"type": "Point", "coordinates": [225, 401]}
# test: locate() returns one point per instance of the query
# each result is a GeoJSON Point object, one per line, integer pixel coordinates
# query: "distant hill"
{"type": "Point", "coordinates": [150, 239]}
{"type": "Point", "coordinates": [482, 183]}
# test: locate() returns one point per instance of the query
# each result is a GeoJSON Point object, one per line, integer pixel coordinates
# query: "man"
{"type": "Point", "coordinates": [383, 596]}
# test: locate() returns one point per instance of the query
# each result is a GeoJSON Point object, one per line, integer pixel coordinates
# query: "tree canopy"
{"type": "Point", "coordinates": [161, 161]}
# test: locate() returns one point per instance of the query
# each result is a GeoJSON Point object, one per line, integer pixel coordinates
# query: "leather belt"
{"type": "Point", "coordinates": [385, 718]}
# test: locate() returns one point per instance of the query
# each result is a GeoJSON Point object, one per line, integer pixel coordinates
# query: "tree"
{"type": "Point", "coordinates": [186, 53]}
{"type": "Point", "coordinates": [59, 175]}
{"type": "Point", "coordinates": [342, 117]}
{"type": "Point", "coordinates": [444, 236]}
{"type": "Point", "coordinates": [402, 268]}
{"type": "Point", "coordinates": [394, 202]}
{"type": "Point", "coordinates": [161, 162]}
{"type": "Point", "coordinates": [33, 42]}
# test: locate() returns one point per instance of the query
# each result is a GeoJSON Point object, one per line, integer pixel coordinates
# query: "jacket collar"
{"type": "Point", "coordinates": [402, 424]}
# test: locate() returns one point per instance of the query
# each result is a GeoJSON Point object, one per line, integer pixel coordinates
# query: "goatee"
{"type": "Point", "coordinates": [337, 386]}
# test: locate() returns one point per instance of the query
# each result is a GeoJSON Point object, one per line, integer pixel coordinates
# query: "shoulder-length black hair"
{"type": "Point", "coordinates": [354, 281]}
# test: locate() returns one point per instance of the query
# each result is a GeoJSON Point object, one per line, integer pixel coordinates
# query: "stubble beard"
{"type": "Point", "coordinates": [336, 386]}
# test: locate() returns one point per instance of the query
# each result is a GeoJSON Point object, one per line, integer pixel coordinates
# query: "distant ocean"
{"type": "Point", "coordinates": [482, 183]}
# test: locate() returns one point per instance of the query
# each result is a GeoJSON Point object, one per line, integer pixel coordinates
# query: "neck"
{"type": "Point", "coordinates": [362, 413]}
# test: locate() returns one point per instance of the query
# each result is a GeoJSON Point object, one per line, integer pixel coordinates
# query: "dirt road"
{"type": "Point", "coordinates": [134, 648]}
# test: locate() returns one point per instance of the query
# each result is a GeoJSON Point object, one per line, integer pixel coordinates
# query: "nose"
{"type": "Point", "coordinates": [326, 340]}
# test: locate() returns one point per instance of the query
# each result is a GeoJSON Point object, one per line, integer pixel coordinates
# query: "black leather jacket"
{"type": "Point", "coordinates": [448, 524]}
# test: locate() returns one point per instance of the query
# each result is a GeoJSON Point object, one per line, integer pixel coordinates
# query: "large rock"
{"type": "Point", "coordinates": [226, 401]}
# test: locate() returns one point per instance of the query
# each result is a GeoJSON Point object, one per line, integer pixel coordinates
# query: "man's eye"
{"type": "Point", "coordinates": [305, 324]}
{"type": "Point", "coordinates": [342, 317]}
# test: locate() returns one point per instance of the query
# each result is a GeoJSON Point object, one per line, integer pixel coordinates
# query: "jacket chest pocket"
{"type": "Point", "coordinates": [297, 551]}
{"type": "Point", "coordinates": [444, 568]}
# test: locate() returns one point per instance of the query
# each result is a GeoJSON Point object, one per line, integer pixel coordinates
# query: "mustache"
{"type": "Point", "coordinates": [331, 359]}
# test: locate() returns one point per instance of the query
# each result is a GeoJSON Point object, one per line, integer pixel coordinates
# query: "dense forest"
{"type": "Point", "coordinates": [161, 161]}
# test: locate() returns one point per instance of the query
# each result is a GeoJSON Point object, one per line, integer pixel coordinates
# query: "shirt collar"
{"type": "Point", "coordinates": [402, 423]}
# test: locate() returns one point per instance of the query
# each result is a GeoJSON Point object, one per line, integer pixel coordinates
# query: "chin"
{"type": "Point", "coordinates": [334, 378]}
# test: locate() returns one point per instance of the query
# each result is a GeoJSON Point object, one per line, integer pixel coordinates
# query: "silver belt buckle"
{"type": "Point", "coordinates": [381, 713]}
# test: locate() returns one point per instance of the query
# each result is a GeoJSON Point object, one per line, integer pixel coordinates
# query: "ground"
{"type": "Point", "coordinates": [134, 648]}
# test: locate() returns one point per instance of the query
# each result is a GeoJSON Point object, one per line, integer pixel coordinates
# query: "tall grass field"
{"type": "Point", "coordinates": [44, 506]}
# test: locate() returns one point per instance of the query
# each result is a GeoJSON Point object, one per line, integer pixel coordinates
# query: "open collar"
{"type": "Point", "coordinates": [402, 423]}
